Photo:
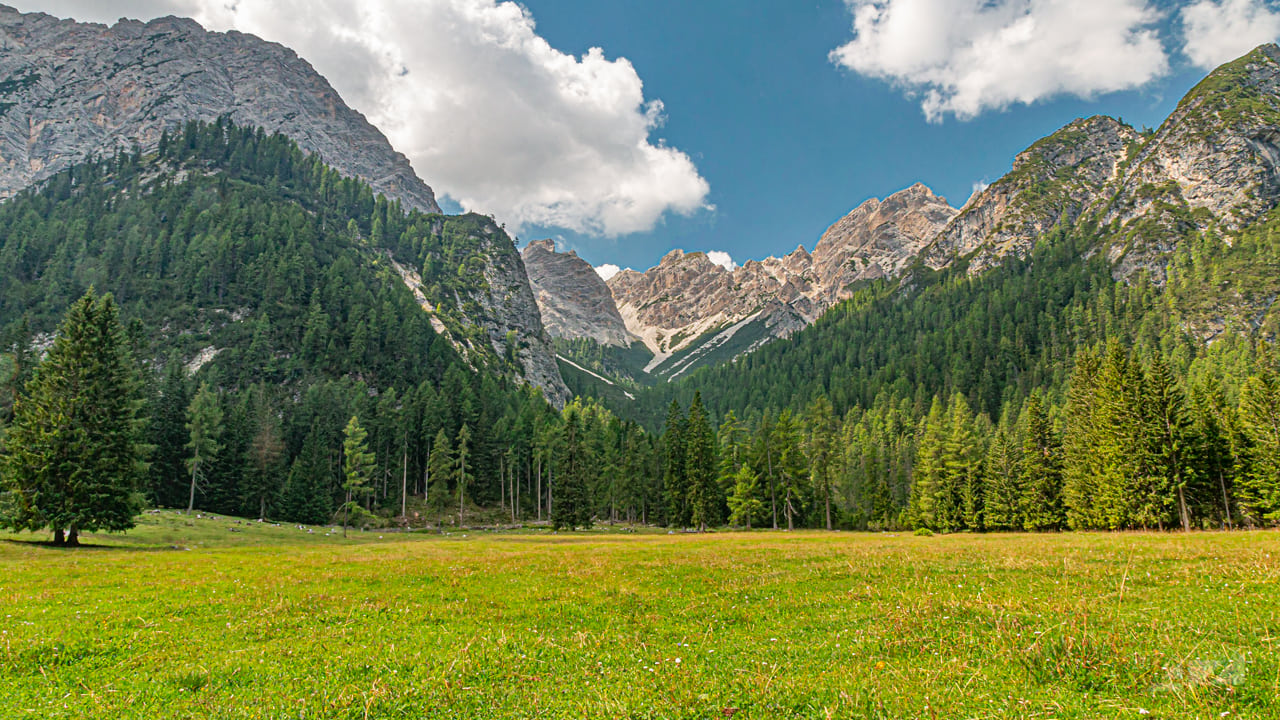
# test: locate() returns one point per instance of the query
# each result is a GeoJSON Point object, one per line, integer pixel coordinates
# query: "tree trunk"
{"type": "Point", "coordinates": [538, 499]}
{"type": "Point", "coordinates": [195, 468]}
{"type": "Point", "coordinates": [773, 492]}
{"type": "Point", "coordinates": [827, 495]}
{"type": "Point", "coordinates": [73, 536]}
{"type": "Point", "coordinates": [59, 537]}
{"type": "Point", "coordinates": [1182, 509]}
{"type": "Point", "coordinates": [1226, 503]}
{"type": "Point", "coordinates": [404, 484]}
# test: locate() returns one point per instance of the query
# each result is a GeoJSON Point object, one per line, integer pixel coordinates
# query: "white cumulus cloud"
{"type": "Point", "coordinates": [721, 258]}
{"type": "Point", "coordinates": [607, 271]}
{"type": "Point", "coordinates": [1219, 31]}
{"type": "Point", "coordinates": [489, 113]}
{"type": "Point", "coordinates": [964, 57]}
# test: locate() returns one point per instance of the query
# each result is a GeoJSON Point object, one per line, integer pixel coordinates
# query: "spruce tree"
{"type": "Point", "coordinates": [705, 498]}
{"type": "Point", "coordinates": [674, 475]}
{"type": "Point", "coordinates": [928, 506]}
{"type": "Point", "coordinates": [1260, 416]}
{"type": "Point", "coordinates": [167, 434]}
{"type": "Point", "coordinates": [204, 430]}
{"type": "Point", "coordinates": [440, 471]}
{"type": "Point", "coordinates": [357, 471]}
{"type": "Point", "coordinates": [1041, 469]}
{"type": "Point", "coordinates": [570, 509]}
{"type": "Point", "coordinates": [821, 428]}
{"type": "Point", "coordinates": [744, 502]}
{"type": "Point", "coordinates": [74, 456]}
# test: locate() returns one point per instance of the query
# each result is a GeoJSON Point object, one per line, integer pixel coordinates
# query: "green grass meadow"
{"type": "Point", "coordinates": [214, 618]}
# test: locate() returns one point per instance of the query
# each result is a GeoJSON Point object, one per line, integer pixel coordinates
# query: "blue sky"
{"type": "Point", "coordinates": [788, 141]}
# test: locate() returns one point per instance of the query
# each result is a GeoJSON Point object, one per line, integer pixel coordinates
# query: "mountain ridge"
{"type": "Point", "coordinates": [69, 90]}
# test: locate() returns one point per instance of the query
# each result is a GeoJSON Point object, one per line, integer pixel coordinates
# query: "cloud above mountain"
{"type": "Point", "coordinates": [490, 114]}
{"type": "Point", "coordinates": [965, 57]}
{"type": "Point", "coordinates": [1218, 31]}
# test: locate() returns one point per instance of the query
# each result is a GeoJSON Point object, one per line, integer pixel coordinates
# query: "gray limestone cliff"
{"type": "Point", "coordinates": [69, 90]}
{"type": "Point", "coordinates": [574, 300]}
{"type": "Point", "coordinates": [686, 297]}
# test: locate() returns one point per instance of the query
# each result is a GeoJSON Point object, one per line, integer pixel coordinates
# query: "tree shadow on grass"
{"type": "Point", "coordinates": [90, 547]}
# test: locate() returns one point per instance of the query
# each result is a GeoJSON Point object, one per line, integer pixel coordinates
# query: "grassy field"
{"type": "Point", "coordinates": [219, 619]}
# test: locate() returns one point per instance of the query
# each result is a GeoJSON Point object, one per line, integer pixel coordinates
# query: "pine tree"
{"type": "Point", "coordinates": [744, 502]}
{"type": "Point", "coordinates": [440, 471]}
{"type": "Point", "coordinates": [705, 498]}
{"type": "Point", "coordinates": [1260, 417]}
{"type": "Point", "coordinates": [308, 496]}
{"type": "Point", "coordinates": [570, 509]}
{"type": "Point", "coordinates": [357, 471]}
{"type": "Point", "coordinates": [1003, 501]}
{"type": "Point", "coordinates": [462, 471]}
{"type": "Point", "coordinates": [792, 468]}
{"type": "Point", "coordinates": [1175, 452]}
{"type": "Point", "coordinates": [1041, 469]}
{"type": "Point", "coordinates": [960, 498]}
{"type": "Point", "coordinates": [167, 434]}
{"type": "Point", "coordinates": [674, 476]}
{"type": "Point", "coordinates": [204, 429]}
{"type": "Point", "coordinates": [74, 454]}
{"type": "Point", "coordinates": [264, 470]}
{"type": "Point", "coordinates": [821, 446]}
{"type": "Point", "coordinates": [1082, 467]}
{"type": "Point", "coordinates": [928, 503]}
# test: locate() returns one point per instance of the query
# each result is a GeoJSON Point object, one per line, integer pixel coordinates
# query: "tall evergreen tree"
{"type": "Point", "coordinates": [705, 498]}
{"type": "Point", "coordinates": [358, 466]}
{"type": "Point", "coordinates": [204, 430]}
{"type": "Point", "coordinates": [821, 428]}
{"type": "Point", "coordinates": [74, 456]}
{"type": "Point", "coordinates": [570, 509]}
{"type": "Point", "coordinates": [167, 434]}
{"type": "Point", "coordinates": [1041, 469]}
{"type": "Point", "coordinates": [675, 479]}
{"type": "Point", "coordinates": [440, 472]}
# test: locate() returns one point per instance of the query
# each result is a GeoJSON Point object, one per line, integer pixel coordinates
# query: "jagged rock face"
{"type": "Point", "coordinates": [508, 307]}
{"type": "Point", "coordinates": [878, 239]}
{"type": "Point", "coordinates": [574, 300]}
{"type": "Point", "coordinates": [1053, 182]}
{"type": "Point", "coordinates": [1214, 162]}
{"type": "Point", "coordinates": [69, 90]}
{"type": "Point", "coordinates": [687, 295]}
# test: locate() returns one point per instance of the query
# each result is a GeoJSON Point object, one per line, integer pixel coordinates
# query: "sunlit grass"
{"type": "Point", "coordinates": [276, 622]}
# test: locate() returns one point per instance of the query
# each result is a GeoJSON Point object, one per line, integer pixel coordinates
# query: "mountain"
{"type": "Point", "coordinates": [1163, 240]}
{"type": "Point", "coordinates": [71, 90]}
{"type": "Point", "coordinates": [573, 299]}
{"type": "Point", "coordinates": [690, 312]}
{"type": "Point", "coordinates": [1053, 182]}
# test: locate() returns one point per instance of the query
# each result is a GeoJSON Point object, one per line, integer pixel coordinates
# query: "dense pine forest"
{"type": "Point", "coordinates": [1040, 395]}
{"type": "Point", "coordinates": [286, 372]}
{"type": "Point", "coordinates": [261, 310]}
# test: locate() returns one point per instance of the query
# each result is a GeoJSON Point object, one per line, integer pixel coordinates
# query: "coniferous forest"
{"type": "Point", "coordinates": [284, 372]}
{"type": "Point", "coordinates": [261, 313]}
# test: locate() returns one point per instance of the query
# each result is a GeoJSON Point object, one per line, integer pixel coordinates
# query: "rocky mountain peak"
{"type": "Point", "coordinates": [573, 299]}
{"type": "Point", "coordinates": [1214, 162]}
{"type": "Point", "coordinates": [69, 90]}
{"type": "Point", "coordinates": [878, 238]}
{"type": "Point", "coordinates": [1052, 182]}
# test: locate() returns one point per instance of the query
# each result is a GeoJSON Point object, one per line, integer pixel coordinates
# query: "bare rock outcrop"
{"type": "Point", "coordinates": [70, 90]}
{"type": "Point", "coordinates": [687, 296]}
{"type": "Point", "coordinates": [574, 300]}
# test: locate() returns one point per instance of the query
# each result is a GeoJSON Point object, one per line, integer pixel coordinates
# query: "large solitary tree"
{"type": "Point", "coordinates": [74, 456]}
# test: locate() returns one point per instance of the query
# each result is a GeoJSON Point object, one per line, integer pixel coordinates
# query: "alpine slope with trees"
{"type": "Point", "coordinates": [290, 346]}
{"type": "Point", "coordinates": [1100, 356]}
